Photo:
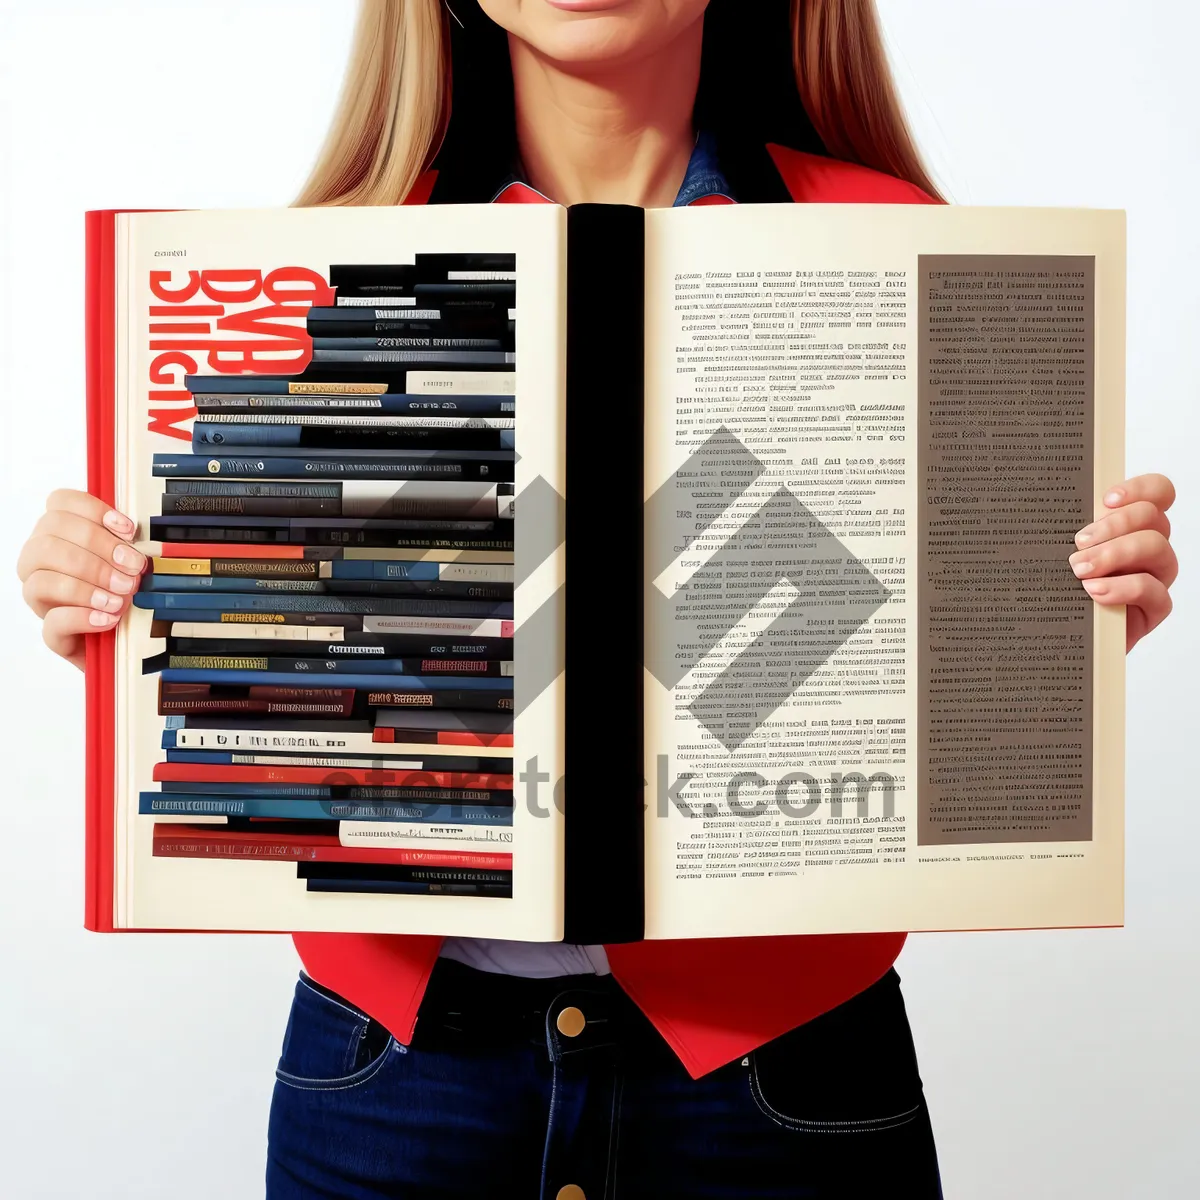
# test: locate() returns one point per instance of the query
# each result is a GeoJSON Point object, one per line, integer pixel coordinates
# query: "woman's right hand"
{"type": "Point", "coordinates": [79, 570]}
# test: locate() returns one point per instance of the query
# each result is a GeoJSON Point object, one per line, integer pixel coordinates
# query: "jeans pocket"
{"type": "Point", "coordinates": [329, 1045]}
{"type": "Point", "coordinates": [851, 1070]}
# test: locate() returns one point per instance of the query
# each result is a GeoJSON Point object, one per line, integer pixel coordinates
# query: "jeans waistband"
{"type": "Point", "coordinates": [568, 1014]}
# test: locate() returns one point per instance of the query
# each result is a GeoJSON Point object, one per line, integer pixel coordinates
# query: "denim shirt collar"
{"type": "Point", "coordinates": [702, 178]}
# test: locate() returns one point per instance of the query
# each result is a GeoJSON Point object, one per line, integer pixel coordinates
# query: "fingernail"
{"type": "Point", "coordinates": [105, 600]}
{"type": "Point", "coordinates": [121, 583]}
{"type": "Point", "coordinates": [102, 618]}
{"type": "Point", "coordinates": [1081, 568]}
{"type": "Point", "coordinates": [119, 523]}
{"type": "Point", "coordinates": [1114, 497]}
{"type": "Point", "coordinates": [127, 556]}
{"type": "Point", "coordinates": [1095, 587]}
{"type": "Point", "coordinates": [1084, 536]}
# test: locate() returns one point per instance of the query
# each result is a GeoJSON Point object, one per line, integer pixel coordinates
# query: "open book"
{"type": "Point", "coordinates": [599, 574]}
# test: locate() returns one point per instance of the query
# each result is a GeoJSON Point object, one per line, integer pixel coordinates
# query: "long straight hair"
{"type": "Point", "coordinates": [820, 82]}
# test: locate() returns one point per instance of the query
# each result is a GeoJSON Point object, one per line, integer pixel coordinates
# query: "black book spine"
{"type": "Point", "coordinates": [354, 645]}
{"type": "Point", "coordinates": [335, 870]}
{"type": "Point", "coordinates": [372, 276]}
{"type": "Point", "coordinates": [452, 290]}
{"type": "Point", "coordinates": [357, 437]}
{"type": "Point", "coordinates": [408, 341]}
{"type": "Point", "coordinates": [269, 506]}
{"type": "Point", "coordinates": [370, 326]}
{"type": "Point", "coordinates": [238, 487]}
{"type": "Point", "coordinates": [604, 839]}
{"type": "Point", "coordinates": [419, 587]}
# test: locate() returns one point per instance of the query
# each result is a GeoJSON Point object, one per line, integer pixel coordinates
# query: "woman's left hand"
{"type": "Point", "coordinates": [1125, 556]}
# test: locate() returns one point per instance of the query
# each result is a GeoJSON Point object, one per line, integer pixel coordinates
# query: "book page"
{"type": "Point", "coordinates": [876, 696]}
{"type": "Point", "coordinates": [217, 293]}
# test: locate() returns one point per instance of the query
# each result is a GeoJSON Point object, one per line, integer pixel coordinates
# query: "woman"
{"type": "Point", "coordinates": [763, 1067]}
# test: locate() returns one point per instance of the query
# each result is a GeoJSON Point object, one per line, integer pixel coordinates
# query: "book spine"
{"type": "Point", "coordinates": [312, 605]}
{"type": "Point", "coordinates": [449, 737]}
{"type": "Point", "coordinates": [257, 489]}
{"type": "Point", "coordinates": [446, 872]}
{"type": "Point", "coordinates": [438, 587]}
{"type": "Point", "coordinates": [484, 501]}
{"type": "Point", "coordinates": [278, 385]}
{"type": "Point", "coordinates": [334, 666]}
{"type": "Point", "coordinates": [414, 835]}
{"type": "Point", "coordinates": [195, 707]}
{"type": "Point", "coordinates": [420, 341]}
{"type": "Point", "coordinates": [358, 420]}
{"type": "Point", "coordinates": [364, 569]}
{"type": "Point", "coordinates": [269, 506]}
{"type": "Point", "coordinates": [397, 306]}
{"type": "Point", "coordinates": [390, 404]}
{"type": "Point", "coordinates": [400, 437]}
{"type": "Point", "coordinates": [286, 692]}
{"type": "Point", "coordinates": [466, 358]}
{"type": "Point", "coordinates": [341, 324]}
{"type": "Point", "coordinates": [405, 554]}
{"type": "Point", "coordinates": [277, 524]}
{"type": "Point", "coordinates": [182, 804]}
{"type": "Point", "coordinates": [310, 665]}
{"type": "Point", "coordinates": [336, 466]}
{"type": "Point", "coordinates": [396, 887]}
{"type": "Point", "coordinates": [241, 585]}
{"type": "Point", "coordinates": [237, 568]}
{"type": "Point", "coordinates": [478, 701]}
{"type": "Point", "coordinates": [322, 626]}
{"type": "Point", "coordinates": [401, 683]}
{"type": "Point", "coordinates": [207, 551]}
{"type": "Point", "coordinates": [220, 583]}
{"type": "Point", "coordinates": [603, 892]}
{"type": "Point", "coordinates": [447, 294]}
{"type": "Point", "coordinates": [397, 645]}
{"type": "Point", "coordinates": [401, 759]}
{"type": "Point", "coordinates": [360, 776]}
{"type": "Point", "coordinates": [405, 798]}
{"type": "Point", "coordinates": [461, 383]}
{"type": "Point", "coordinates": [175, 840]}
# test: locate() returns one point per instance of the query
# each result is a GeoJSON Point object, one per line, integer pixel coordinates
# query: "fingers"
{"type": "Point", "coordinates": [1147, 601]}
{"type": "Point", "coordinates": [64, 628]}
{"type": "Point", "coordinates": [1157, 489]}
{"type": "Point", "coordinates": [1145, 550]}
{"type": "Point", "coordinates": [1140, 514]}
{"type": "Point", "coordinates": [46, 590]}
{"type": "Point", "coordinates": [46, 553]}
{"type": "Point", "coordinates": [90, 508]}
{"type": "Point", "coordinates": [81, 532]}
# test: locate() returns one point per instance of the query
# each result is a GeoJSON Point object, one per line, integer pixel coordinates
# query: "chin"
{"type": "Point", "coordinates": [594, 33]}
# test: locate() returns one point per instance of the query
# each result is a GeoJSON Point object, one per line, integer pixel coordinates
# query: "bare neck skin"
{"type": "Point", "coordinates": [619, 136]}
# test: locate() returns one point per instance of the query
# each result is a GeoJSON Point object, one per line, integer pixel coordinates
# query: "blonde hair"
{"type": "Point", "coordinates": [394, 108]}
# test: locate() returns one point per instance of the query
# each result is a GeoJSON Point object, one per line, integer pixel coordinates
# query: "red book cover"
{"type": "Point", "coordinates": [100, 335]}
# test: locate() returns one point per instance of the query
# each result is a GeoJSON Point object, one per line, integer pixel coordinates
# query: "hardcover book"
{"type": "Point", "coordinates": [601, 574]}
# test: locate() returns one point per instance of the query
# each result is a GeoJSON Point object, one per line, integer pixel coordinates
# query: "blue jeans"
{"type": "Point", "coordinates": [518, 1088]}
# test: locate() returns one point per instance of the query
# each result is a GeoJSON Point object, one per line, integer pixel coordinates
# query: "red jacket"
{"type": "Point", "coordinates": [712, 999]}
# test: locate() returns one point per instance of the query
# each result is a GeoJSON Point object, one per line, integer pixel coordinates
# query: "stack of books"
{"type": "Point", "coordinates": [333, 578]}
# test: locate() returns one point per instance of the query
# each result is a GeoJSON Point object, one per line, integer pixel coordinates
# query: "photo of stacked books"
{"type": "Point", "coordinates": [333, 580]}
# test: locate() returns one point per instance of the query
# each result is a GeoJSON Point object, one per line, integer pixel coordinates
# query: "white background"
{"type": "Point", "coordinates": [140, 1068]}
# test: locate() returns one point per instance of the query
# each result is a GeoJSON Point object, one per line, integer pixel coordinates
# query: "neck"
{"type": "Point", "coordinates": [622, 135]}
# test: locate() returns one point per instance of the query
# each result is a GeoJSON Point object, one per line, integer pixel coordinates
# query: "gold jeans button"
{"type": "Point", "coordinates": [572, 1191]}
{"type": "Point", "coordinates": [570, 1024]}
